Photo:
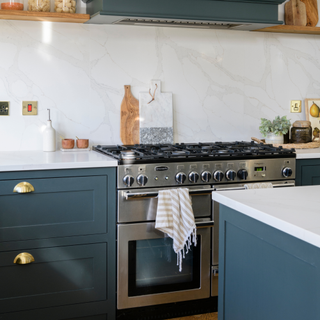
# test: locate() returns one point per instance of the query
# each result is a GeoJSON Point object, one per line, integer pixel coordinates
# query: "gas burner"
{"type": "Point", "coordinates": [224, 151]}
{"type": "Point", "coordinates": [183, 152]}
{"type": "Point", "coordinates": [127, 155]}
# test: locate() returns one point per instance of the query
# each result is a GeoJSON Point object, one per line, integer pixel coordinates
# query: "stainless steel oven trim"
{"type": "Point", "coordinates": [135, 195]}
{"type": "Point", "coordinates": [144, 208]}
{"type": "Point", "coordinates": [241, 186]}
{"type": "Point", "coordinates": [140, 231]}
{"type": "Point", "coordinates": [154, 194]}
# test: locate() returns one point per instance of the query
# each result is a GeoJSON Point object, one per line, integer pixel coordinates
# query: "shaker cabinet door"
{"type": "Point", "coordinates": [55, 207]}
{"type": "Point", "coordinates": [308, 172]}
{"type": "Point", "coordinates": [58, 276]}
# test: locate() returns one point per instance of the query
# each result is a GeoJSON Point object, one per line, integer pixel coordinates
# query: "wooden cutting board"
{"type": "Point", "coordinates": [129, 125]}
{"type": "Point", "coordinates": [312, 12]}
{"type": "Point", "coordinates": [295, 13]}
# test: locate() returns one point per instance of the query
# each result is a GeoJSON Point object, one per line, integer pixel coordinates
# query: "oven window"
{"type": "Point", "coordinates": [153, 267]}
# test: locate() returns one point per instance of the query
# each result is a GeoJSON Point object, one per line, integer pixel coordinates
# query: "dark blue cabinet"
{"type": "Point", "coordinates": [308, 172]}
{"type": "Point", "coordinates": [265, 273]}
{"type": "Point", "coordinates": [68, 225]}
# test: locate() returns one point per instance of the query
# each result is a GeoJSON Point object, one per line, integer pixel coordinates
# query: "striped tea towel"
{"type": "Point", "coordinates": [175, 217]}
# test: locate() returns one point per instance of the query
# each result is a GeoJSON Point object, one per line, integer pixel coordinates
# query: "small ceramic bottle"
{"type": "Point", "coordinates": [49, 137]}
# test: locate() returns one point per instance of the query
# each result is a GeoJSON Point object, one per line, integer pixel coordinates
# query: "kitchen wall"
{"type": "Point", "coordinates": [222, 82]}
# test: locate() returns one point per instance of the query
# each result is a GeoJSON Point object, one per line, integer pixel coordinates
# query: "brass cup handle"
{"type": "Point", "coordinates": [23, 187]}
{"type": "Point", "coordinates": [23, 258]}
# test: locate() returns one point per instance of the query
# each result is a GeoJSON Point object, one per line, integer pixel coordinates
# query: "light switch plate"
{"type": "Point", "coordinates": [4, 108]}
{"type": "Point", "coordinates": [295, 106]}
{"type": "Point", "coordinates": [29, 108]}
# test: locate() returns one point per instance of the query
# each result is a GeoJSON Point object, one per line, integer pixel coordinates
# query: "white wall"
{"type": "Point", "coordinates": [222, 82]}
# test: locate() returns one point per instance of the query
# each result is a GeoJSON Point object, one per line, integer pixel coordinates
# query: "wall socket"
{"type": "Point", "coordinates": [295, 106]}
{"type": "Point", "coordinates": [4, 108]}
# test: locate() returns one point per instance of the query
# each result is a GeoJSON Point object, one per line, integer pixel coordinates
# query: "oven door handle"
{"type": "Point", "coordinates": [204, 224]}
{"type": "Point", "coordinates": [276, 185]}
{"type": "Point", "coordinates": [284, 185]}
{"type": "Point", "coordinates": [229, 188]}
{"type": "Point", "coordinates": [140, 195]}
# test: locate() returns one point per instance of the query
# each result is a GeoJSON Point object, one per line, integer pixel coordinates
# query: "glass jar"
{"type": "Point", "coordinates": [301, 132]}
{"type": "Point", "coordinates": [65, 6]}
{"type": "Point", "coordinates": [39, 5]}
{"type": "Point", "coordinates": [12, 5]}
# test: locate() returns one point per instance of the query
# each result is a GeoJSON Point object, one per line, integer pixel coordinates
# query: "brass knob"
{"type": "Point", "coordinates": [23, 187]}
{"type": "Point", "coordinates": [23, 258]}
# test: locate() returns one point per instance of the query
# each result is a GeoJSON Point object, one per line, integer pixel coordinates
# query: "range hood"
{"type": "Point", "coordinates": [209, 14]}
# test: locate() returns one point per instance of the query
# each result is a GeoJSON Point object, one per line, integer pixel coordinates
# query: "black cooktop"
{"type": "Point", "coordinates": [203, 151]}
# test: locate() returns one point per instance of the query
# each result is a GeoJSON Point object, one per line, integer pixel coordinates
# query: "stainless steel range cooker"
{"type": "Point", "coordinates": [147, 274]}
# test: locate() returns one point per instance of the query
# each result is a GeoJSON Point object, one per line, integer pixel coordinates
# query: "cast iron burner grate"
{"type": "Point", "coordinates": [147, 153]}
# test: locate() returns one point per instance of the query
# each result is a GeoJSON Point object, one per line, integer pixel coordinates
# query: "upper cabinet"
{"type": "Point", "coordinates": [250, 15]}
{"type": "Point", "coordinates": [232, 15]}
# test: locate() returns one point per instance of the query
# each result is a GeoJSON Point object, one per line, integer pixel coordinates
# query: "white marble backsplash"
{"type": "Point", "coordinates": [222, 82]}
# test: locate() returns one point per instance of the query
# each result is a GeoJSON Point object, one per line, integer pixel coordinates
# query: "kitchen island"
{"type": "Point", "coordinates": [269, 254]}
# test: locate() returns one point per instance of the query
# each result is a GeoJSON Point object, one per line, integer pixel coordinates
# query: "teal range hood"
{"type": "Point", "coordinates": [210, 14]}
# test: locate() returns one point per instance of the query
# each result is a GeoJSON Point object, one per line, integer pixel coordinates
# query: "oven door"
{"type": "Point", "coordinates": [147, 267]}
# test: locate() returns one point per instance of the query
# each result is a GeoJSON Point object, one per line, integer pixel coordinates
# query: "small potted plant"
{"type": "Point", "coordinates": [274, 131]}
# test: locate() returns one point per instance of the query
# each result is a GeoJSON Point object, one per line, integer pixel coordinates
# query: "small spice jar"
{"type": "Point", "coordinates": [65, 6]}
{"type": "Point", "coordinates": [39, 5]}
{"type": "Point", "coordinates": [301, 132]}
{"type": "Point", "coordinates": [12, 5]}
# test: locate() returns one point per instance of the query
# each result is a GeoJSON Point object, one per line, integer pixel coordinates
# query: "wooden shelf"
{"type": "Point", "coordinates": [43, 16]}
{"type": "Point", "coordinates": [291, 29]}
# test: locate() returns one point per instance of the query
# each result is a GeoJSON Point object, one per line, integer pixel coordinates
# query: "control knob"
{"type": "Point", "coordinates": [231, 174]}
{"type": "Point", "coordinates": [242, 174]}
{"type": "Point", "coordinates": [181, 177]}
{"type": "Point", "coordinates": [142, 180]}
{"type": "Point", "coordinates": [128, 180]}
{"type": "Point", "coordinates": [218, 175]}
{"type": "Point", "coordinates": [205, 176]}
{"type": "Point", "coordinates": [287, 172]}
{"type": "Point", "coordinates": [193, 176]}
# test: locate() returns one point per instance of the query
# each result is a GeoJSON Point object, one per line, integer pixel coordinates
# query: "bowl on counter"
{"type": "Point", "coordinates": [67, 143]}
{"type": "Point", "coordinates": [82, 143]}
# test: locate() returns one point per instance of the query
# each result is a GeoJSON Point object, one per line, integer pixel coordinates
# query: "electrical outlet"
{"type": "Point", "coordinates": [29, 108]}
{"type": "Point", "coordinates": [4, 108]}
{"type": "Point", "coordinates": [295, 106]}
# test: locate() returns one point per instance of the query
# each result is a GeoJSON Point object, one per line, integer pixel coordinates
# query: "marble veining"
{"type": "Point", "coordinates": [155, 107]}
{"type": "Point", "coordinates": [222, 82]}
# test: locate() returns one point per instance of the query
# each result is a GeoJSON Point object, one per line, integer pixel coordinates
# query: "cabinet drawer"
{"type": "Point", "coordinates": [57, 207]}
{"type": "Point", "coordinates": [58, 276]}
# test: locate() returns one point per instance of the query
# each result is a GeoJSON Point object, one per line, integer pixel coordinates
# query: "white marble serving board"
{"type": "Point", "coordinates": [156, 117]}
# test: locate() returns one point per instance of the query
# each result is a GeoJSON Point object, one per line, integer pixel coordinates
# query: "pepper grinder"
{"type": "Point", "coordinates": [49, 136]}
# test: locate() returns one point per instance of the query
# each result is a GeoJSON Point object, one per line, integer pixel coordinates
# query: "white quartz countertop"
{"type": "Point", "coordinates": [294, 210]}
{"type": "Point", "coordinates": [308, 153]}
{"type": "Point", "coordinates": [39, 160]}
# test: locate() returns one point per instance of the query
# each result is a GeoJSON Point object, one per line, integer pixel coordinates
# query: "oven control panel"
{"type": "Point", "coordinates": [208, 172]}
